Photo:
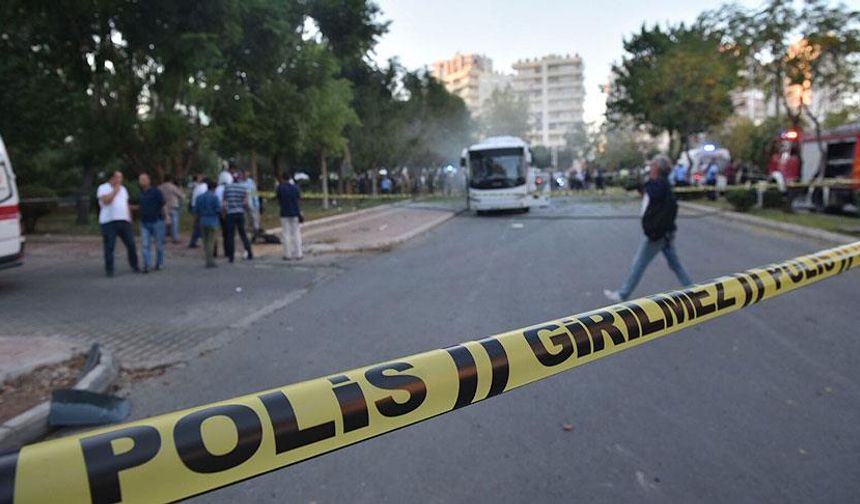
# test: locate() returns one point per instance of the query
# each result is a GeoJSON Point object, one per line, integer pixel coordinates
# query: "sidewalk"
{"type": "Point", "coordinates": [378, 228]}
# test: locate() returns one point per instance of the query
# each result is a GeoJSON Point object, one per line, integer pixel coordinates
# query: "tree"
{"type": "Point", "coordinates": [620, 149]}
{"type": "Point", "coordinates": [677, 80]}
{"type": "Point", "coordinates": [581, 141]}
{"type": "Point", "coordinates": [505, 113]}
{"type": "Point", "coordinates": [82, 48]}
{"type": "Point", "coordinates": [329, 111]}
{"type": "Point", "coordinates": [794, 51]}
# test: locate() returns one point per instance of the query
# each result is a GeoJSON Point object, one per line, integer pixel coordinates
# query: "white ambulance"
{"type": "Point", "coordinates": [11, 241]}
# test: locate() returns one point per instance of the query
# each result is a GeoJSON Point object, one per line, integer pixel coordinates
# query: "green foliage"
{"type": "Point", "coordinates": [505, 113]}
{"type": "Point", "coordinates": [813, 45]}
{"type": "Point", "coordinates": [773, 198]}
{"type": "Point", "coordinates": [581, 141]}
{"type": "Point", "coordinates": [620, 150]}
{"type": "Point", "coordinates": [37, 201]}
{"type": "Point", "coordinates": [742, 200]}
{"type": "Point", "coordinates": [677, 80]}
{"type": "Point", "coordinates": [174, 87]}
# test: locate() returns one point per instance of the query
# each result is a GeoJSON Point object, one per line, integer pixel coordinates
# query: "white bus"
{"type": "Point", "coordinates": [11, 241]}
{"type": "Point", "coordinates": [501, 176]}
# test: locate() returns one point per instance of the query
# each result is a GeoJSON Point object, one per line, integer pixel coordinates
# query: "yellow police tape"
{"type": "Point", "coordinates": [193, 451]}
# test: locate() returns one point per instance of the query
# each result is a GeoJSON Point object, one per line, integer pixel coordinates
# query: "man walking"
{"type": "Point", "coordinates": [207, 210]}
{"type": "Point", "coordinates": [173, 196]}
{"type": "Point", "coordinates": [153, 213]}
{"type": "Point", "coordinates": [115, 220]}
{"type": "Point", "coordinates": [291, 217]}
{"type": "Point", "coordinates": [235, 203]}
{"type": "Point", "coordinates": [658, 222]}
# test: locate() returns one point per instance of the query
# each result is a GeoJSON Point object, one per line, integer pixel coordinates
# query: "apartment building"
{"type": "Point", "coordinates": [553, 86]}
{"type": "Point", "coordinates": [461, 76]}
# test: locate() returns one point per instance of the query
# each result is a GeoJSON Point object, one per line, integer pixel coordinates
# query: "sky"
{"type": "Point", "coordinates": [423, 31]}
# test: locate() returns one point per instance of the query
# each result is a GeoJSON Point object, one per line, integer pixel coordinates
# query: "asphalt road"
{"type": "Point", "coordinates": [758, 406]}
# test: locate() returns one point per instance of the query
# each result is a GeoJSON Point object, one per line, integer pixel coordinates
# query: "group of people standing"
{"type": "Point", "coordinates": [220, 205]}
{"type": "Point", "coordinates": [159, 207]}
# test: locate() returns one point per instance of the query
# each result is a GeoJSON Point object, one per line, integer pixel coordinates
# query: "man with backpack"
{"type": "Point", "coordinates": [658, 222]}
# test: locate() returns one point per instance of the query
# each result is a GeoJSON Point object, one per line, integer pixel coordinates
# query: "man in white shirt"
{"type": "Point", "coordinates": [115, 220]}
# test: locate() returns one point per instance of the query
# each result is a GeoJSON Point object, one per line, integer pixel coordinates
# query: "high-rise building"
{"type": "Point", "coordinates": [461, 76]}
{"type": "Point", "coordinates": [553, 86]}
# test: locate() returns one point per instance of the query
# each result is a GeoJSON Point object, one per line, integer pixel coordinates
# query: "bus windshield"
{"type": "Point", "coordinates": [497, 168]}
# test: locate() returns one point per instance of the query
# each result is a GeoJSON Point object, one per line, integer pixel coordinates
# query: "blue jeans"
{"type": "Point", "coordinates": [149, 231]}
{"type": "Point", "coordinates": [110, 232]}
{"type": "Point", "coordinates": [174, 224]}
{"type": "Point", "coordinates": [647, 250]}
{"type": "Point", "coordinates": [236, 222]}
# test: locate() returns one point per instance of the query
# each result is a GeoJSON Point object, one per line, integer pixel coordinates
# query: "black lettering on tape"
{"type": "Point", "coordinates": [353, 406]}
{"type": "Point", "coordinates": [776, 273]}
{"type": "Point", "coordinates": [630, 322]}
{"type": "Point", "coordinates": [648, 326]}
{"type": "Point", "coordinates": [542, 353]}
{"type": "Point", "coordinates": [819, 265]}
{"type": "Point", "coordinates": [103, 465]}
{"type": "Point", "coordinates": [795, 270]}
{"type": "Point", "coordinates": [597, 329]}
{"type": "Point", "coordinates": [467, 375]}
{"type": "Point", "coordinates": [722, 301]}
{"type": "Point", "coordinates": [745, 284]}
{"type": "Point", "coordinates": [415, 386]}
{"type": "Point", "coordinates": [759, 286]}
{"type": "Point", "coordinates": [829, 262]}
{"type": "Point", "coordinates": [580, 337]}
{"type": "Point", "coordinates": [676, 306]}
{"type": "Point", "coordinates": [188, 436]}
{"type": "Point", "coordinates": [499, 363]}
{"type": "Point", "coordinates": [811, 271]}
{"type": "Point", "coordinates": [696, 297]}
{"type": "Point", "coordinates": [8, 468]}
{"type": "Point", "coordinates": [288, 435]}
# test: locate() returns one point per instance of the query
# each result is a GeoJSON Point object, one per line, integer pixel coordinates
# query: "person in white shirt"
{"type": "Point", "coordinates": [115, 220]}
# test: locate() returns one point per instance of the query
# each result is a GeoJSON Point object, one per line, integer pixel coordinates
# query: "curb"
{"type": "Point", "coordinates": [32, 424]}
{"type": "Point", "coordinates": [382, 245]}
{"type": "Point", "coordinates": [795, 229]}
{"type": "Point", "coordinates": [334, 218]}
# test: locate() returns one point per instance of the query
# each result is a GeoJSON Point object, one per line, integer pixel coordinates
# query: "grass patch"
{"type": "Point", "coordinates": [62, 221]}
{"type": "Point", "coordinates": [845, 224]}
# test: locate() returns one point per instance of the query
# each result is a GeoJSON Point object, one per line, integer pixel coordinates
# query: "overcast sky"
{"type": "Point", "coordinates": [423, 31]}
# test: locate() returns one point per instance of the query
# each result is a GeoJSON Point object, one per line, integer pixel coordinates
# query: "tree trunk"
{"type": "Point", "coordinates": [85, 192]}
{"type": "Point", "coordinates": [347, 159]}
{"type": "Point", "coordinates": [822, 147]}
{"type": "Point", "coordinates": [324, 178]}
{"type": "Point", "coordinates": [276, 167]}
{"type": "Point", "coordinates": [254, 166]}
{"type": "Point", "coordinates": [685, 144]}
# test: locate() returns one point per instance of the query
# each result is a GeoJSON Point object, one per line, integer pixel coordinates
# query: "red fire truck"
{"type": "Point", "coordinates": [795, 156]}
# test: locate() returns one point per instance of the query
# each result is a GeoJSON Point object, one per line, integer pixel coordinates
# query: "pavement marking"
{"type": "Point", "coordinates": [269, 309]}
{"type": "Point", "coordinates": [517, 225]}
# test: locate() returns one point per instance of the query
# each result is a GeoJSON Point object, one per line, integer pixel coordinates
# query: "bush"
{"type": "Point", "coordinates": [773, 198]}
{"type": "Point", "coordinates": [36, 202]}
{"type": "Point", "coordinates": [681, 195]}
{"type": "Point", "coordinates": [741, 199]}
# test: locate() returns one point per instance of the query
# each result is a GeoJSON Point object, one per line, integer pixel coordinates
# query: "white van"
{"type": "Point", "coordinates": [11, 241]}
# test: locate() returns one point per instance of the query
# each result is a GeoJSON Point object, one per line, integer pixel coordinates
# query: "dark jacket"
{"type": "Point", "coordinates": [658, 221]}
{"type": "Point", "coordinates": [288, 197]}
{"type": "Point", "coordinates": [151, 205]}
